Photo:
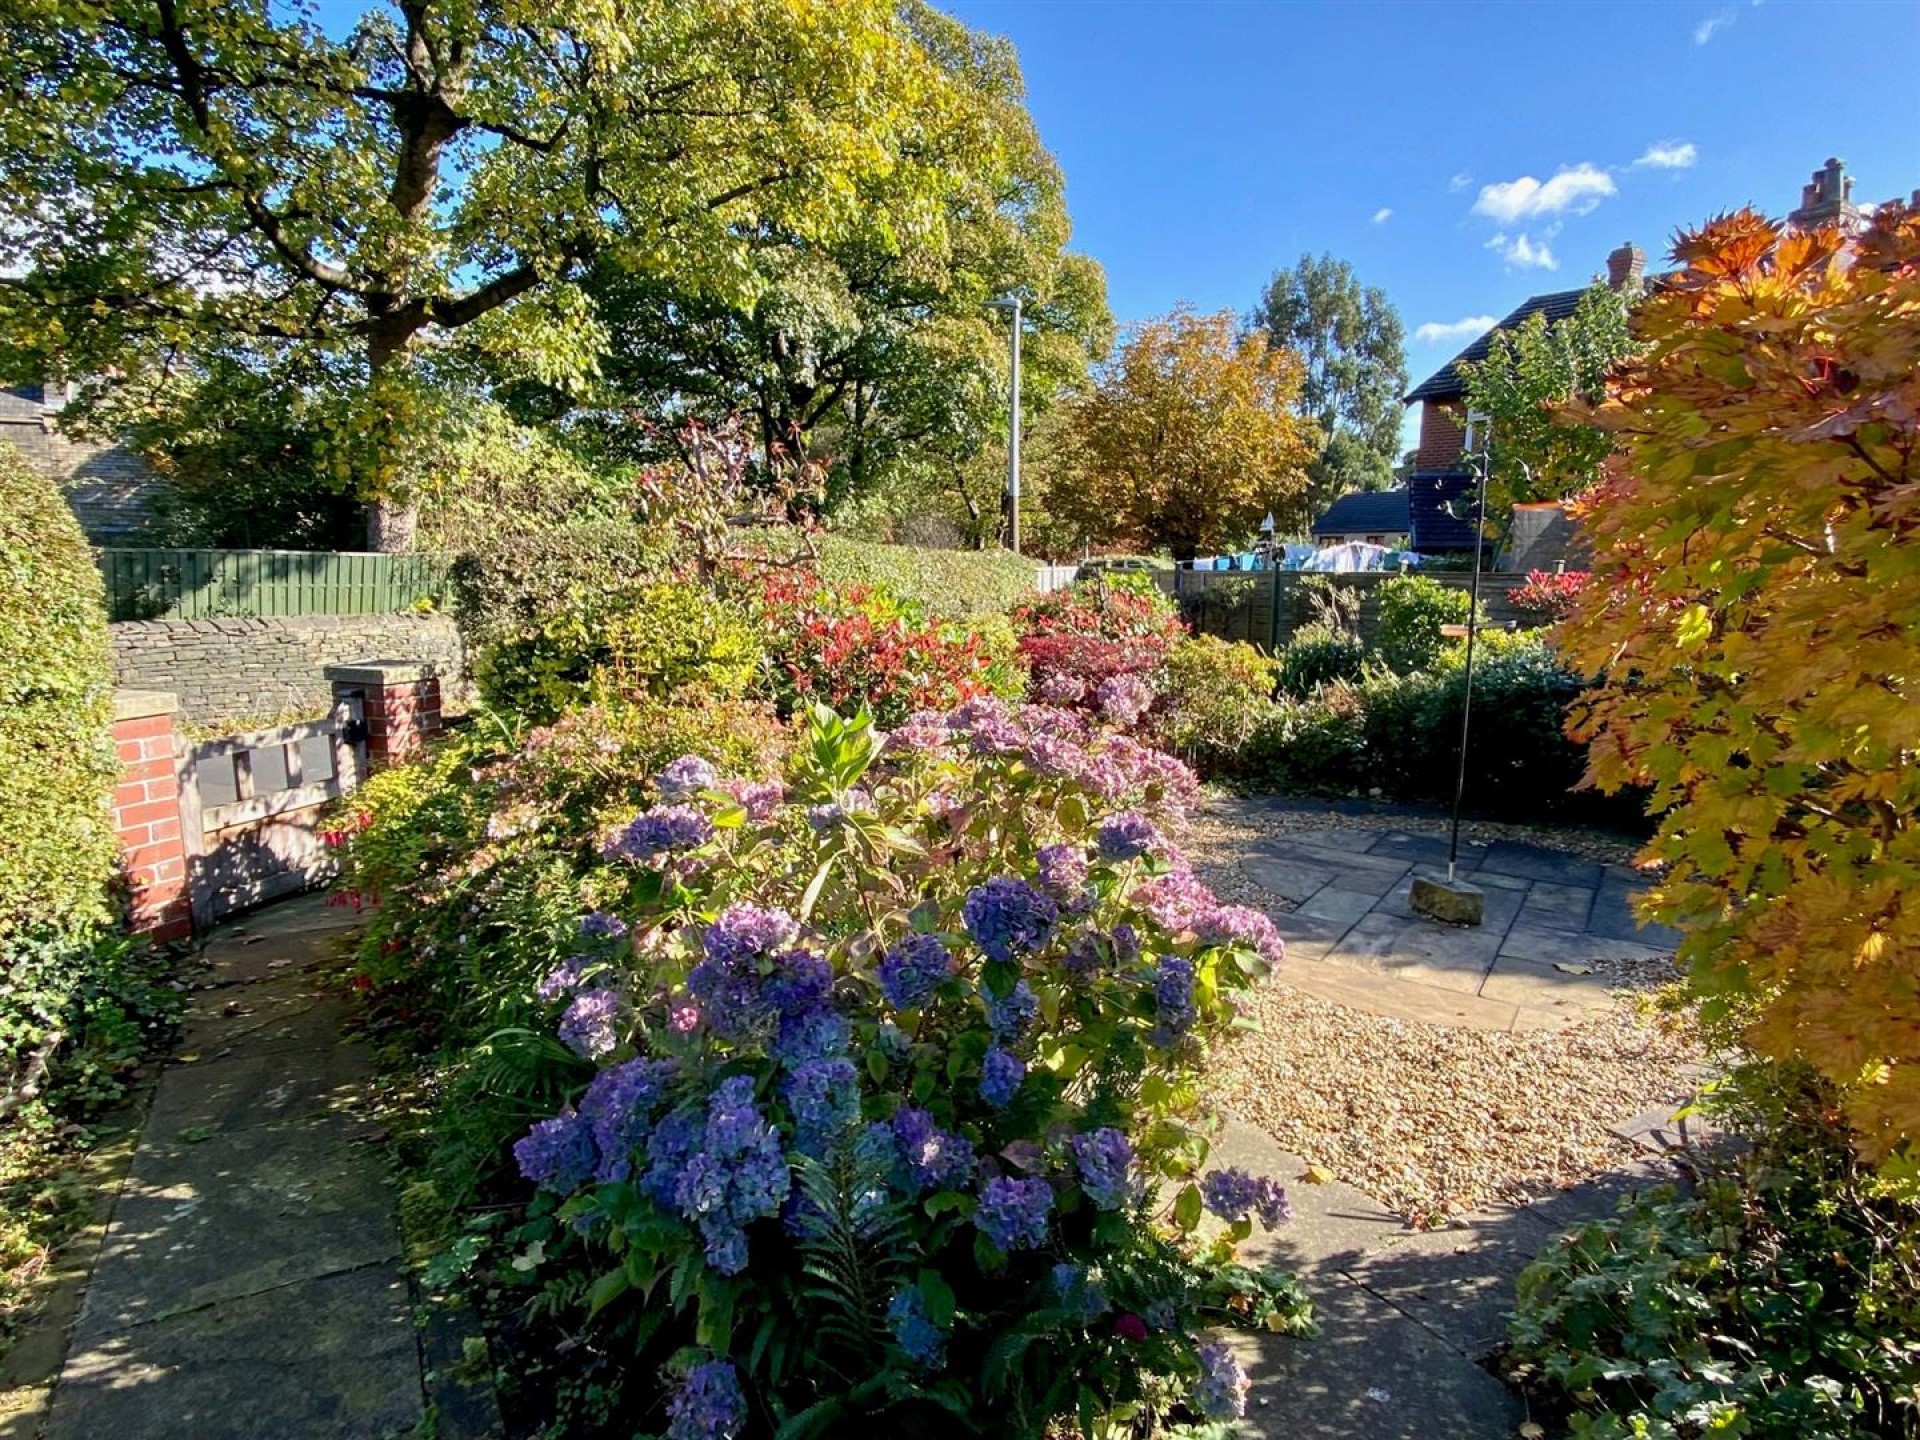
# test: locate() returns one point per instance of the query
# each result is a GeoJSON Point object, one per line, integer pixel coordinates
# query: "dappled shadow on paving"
{"type": "Point", "coordinates": [249, 1282]}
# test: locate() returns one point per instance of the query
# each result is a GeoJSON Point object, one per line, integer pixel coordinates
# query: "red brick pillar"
{"type": "Point", "coordinates": [146, 814]}
{"type": "Point", "coordinates": [401, 705]}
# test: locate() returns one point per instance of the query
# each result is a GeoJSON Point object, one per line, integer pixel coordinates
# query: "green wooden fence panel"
{"type": "Point", "coordinates": [151, 584]}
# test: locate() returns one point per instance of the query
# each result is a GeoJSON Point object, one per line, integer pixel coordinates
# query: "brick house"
{"type": "Point", "coordinates": [109, 486]}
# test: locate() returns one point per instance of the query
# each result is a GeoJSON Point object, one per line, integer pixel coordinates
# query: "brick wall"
{"type": "Point", "coordinates": [254, 668]}
{"type": "Point", "coordinates": [1443, 438]}
{"type": "Point", "coordinates": [146, 815]}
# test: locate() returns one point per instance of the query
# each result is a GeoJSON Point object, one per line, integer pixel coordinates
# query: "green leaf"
{"type": "Point", "coordinates": [1186, 1209]}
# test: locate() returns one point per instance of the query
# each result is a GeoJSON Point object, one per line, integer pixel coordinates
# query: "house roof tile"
{"type": "Point", "coordinates": [1376, 512]}
{"type": "Point", "coordinates": [1447, 383]}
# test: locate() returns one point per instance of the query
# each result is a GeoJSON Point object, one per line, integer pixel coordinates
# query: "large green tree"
{"type": "Point", "coordinates": [1539, 451]}
{"type": "Point", "coordinates": [874, 349]}
{"type": "Point", "coordinates": [1354, 348]}
{"type": "Point", "coordinates": [179, 177]}
{"type": "Point", "coordinates": [1190, 435]}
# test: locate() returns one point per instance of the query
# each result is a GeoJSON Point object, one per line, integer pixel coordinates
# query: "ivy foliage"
{"type": "Point", "coordinates": [1751, 611]}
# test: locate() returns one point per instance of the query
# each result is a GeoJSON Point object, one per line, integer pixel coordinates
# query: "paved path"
{"type": "Point", "coordinates": [1554, 921]}
{"type": "Point", "coordinates": [249, 1283]}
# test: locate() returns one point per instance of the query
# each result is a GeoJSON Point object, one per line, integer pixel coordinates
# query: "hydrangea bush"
{"type": "Point", "coordinates": [894, 1098]}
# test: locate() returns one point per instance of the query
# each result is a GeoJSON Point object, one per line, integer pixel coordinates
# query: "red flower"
{"type": "Point", "coordinates": [1130, 1327]}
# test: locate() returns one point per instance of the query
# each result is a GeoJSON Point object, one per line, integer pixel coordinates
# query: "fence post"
{"type": "Point", "coordinates": [146, 814]}
{"type": "Point", "coordinates": [401, 705]}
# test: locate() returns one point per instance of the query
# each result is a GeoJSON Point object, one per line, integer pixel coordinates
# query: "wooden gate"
{"type": "Point", "coordinates": [250, 806]}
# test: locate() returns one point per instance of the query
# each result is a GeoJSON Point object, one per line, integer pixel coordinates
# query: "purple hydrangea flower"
{"type": "Point", "coordinates": [590, 1026]}
{"type": "Point", "coordinates": [1105, 1161]}
{"type": "Point", "coordinates": [1005, 916]}
{"type": "Point", "coordinates": [1126, 945]}
{"type": "Point", "coordinates": [1013, 1212]}
{"type": "Point", "coordinates": [1174, 1010]}
{"type": "Point", "coordinates": [709, 1405]}
{"type": "Point", "coordinates": [669, 1148]}
{"type": "Point", "coordinates": [1123, 699]}
{"type": "Point", "coordinates": [599, 925]}
{"type": "Point", "coordinates": [1241, 925]}
{"type": "Point", "coordinates": [686, 778]}
{"type": "Point", "coordinates": [1233, 1195]}
{"type": "Point", "coordinates": [1056, 756]}
{"type": "Point", "coordinates": [1222, 1391]}
{"type": "Point", "coordinates": [801, 982]}
{"type": "Point", "coordinates": [557, 1154]}
{"type": "Point", "coordinates": [912, 970]}
{"type": "Point", "coordinates": [1000, 1075]}
{"type": "Point", "coordinates": [1009, 1015]}
{"type": "Point", "coordinates": [619, 1107]}
{"type": "Point", "coordinates": [823, 1097]}
{"type": "Point", "coordinates": [743, 930]}
{"type": "Point", "coordinates": [1177, 900]}
{"type": "Point", "coordinates": [1060, 688]}
{"type": "Point", "coordinates": [933, 1158]}
{"type": "Point", "coordinates": [1063, 874]}
{"type": "Point", "coordinates": [761, 799]}
{"type": "Point", "coordinates": [919, 1339]}
{"type": "Point", "coordinates": [736, 999]}
{"type": "Point", "coordinates": [563, 979]}
{"type": "Point", "coordinates": [925, 732]}
{"type": "Point", "coordinates": [988, 726]}
{"type": "Point", "coordinates": [1128, 836]}
{"type": "Point", "coordinates": [664, 830]}
{"type": "Point", "coordinates": [825, 817]}
{"type": "Point", "coordinates": [1083, 959]}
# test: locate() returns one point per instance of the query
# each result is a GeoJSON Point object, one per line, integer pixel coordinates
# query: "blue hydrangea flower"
{"type": "Point", "coordinates": [816, 1035]}
{"type": "Point", "coordinates": [823, 1097]}
{"type": "Point", "coordinates": [709, 1405]}
{"type": "Point", "coordinates": [598, 925]}
{"type": "Point", "coordinates": [1105, 1162]}
{"type": "Point", "coordinates": [919, 1339]}
{"type": "Point", "coordinates": [1222, 1391]}
{"type": "Point", "coordinates": [1006, 916]}
{"type": "Point", "coordinates": [801, 982]}
{"type": "Point", "coordinates": [1234, 1194]}
{"type": "Point", "coordinates": [590, 1026]}
{"type": "Point", "coordinates": [1126, 945]}
{"type": "Point", "coordinates": [1173, 1005]}
{"type": "Point", "coordinates": [1009, 1015]}
{"type": "Point", "coordinates": [669, 1149]}
{"type": "Point", "coordinates": [1083, 959]}
{"type": "Point", "coordinates": [686, 778]}
{"type": "Point", "coordinates": [933, 1158]}
{"type": "Point", "coordinates": [1079, 1293]}
{"type": "Point", "coordinates": [743, 930]}
{"type": "Point", "coordinates": [557, 1154]}
{"type": "Point", "coordinates": [1000, 1075]}
{"type": "Point", "coordinates": [737, 1176]}
{"type": "Point", "coordinates": [619, 1108]}
{"type": "Point", "coordinates": [912, 970]}
{"type": "Point", "coordinates": [1127, 836]}
{"type": "Point", "coordinates": [664, 830]}
{"type": "Point", "coordinates": [737, 1000]}
{"type": "Point", "coordinates": [1013, 1212]}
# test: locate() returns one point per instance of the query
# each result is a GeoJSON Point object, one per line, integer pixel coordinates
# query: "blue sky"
{"type": "Point", "coordinates": [1206, 143]}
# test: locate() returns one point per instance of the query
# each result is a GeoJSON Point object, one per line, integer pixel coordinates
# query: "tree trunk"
{"type": "Point", "coordinates": [392, 520]}
{"type": "Point", "coordinates": [392, 525]}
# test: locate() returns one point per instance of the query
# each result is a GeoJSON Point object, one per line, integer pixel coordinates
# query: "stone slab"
{"type": "Point", "coordinates": [1306, 936]}
{"type": "Point", "coordinates": [269, 1017]}
{"type": "Point", "coordinates": [1544, 947]}
{"type": "Point", "coordinates": [1331, 902]}
{"type": "Point", "coordinates": [1536, 862]}
{"type": "Point", "coordinates": [330, 1359]}
{"type": "Point", "coordinates": [1542, 987]}
{"type": "Point", "coordinates": [1407, 1000]}
{"type": "Point", "coordinates": [1421, 950]}
{"type": "Point", "coordinates": [1425, 850]}
{"type": "Point", "coordinates": [1552, 905]}
{"type": "Point", "coordinates": [1291, 880]}
{"type": "Point", "coordinates": [1371, 1373]}
{"type": "Point", "coordinates": [259, 1089]}
{"type": "Point", "coordinates": [1458, 1282]}
{"type": "Point", "coordinates": [1613, 916]}
{"type": "Point", "coordinates": [234, 1214]}
{"type": "Point", "coordinates": [1351, 866]}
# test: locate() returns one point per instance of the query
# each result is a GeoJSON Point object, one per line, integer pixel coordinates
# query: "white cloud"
{"type": "Point", "coordinates": [1382, 215]}
{"type": "Point", "coordinates": [1460, 181]}
{"type": "Point", "coordinates": [1435, 331]}
{"type": "Point", "coordinates": [1577, 188]}
{"type": "Point", "coordinates": [1670, 155]}
{"type": "Point", "coordinates": [1713, 24]}
{"type": "Point", "coordinates": [1524, 253]}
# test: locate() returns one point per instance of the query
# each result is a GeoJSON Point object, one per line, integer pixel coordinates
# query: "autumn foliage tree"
{"type": "Point", "coordinates": [1753, 617]}
{"type": "Point", "coordinates": [1187, 439]}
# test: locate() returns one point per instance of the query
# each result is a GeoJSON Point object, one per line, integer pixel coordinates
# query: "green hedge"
{"type": "Point", "coordinates": [56, 716]}
{"type": "Point", "coordinates": [951, 583]}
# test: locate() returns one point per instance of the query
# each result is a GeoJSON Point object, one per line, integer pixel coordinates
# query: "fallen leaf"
{"type": "Point", "coordinates": [1317, 1175]}
{"type": "Point", "coordinates": [1569, 967]}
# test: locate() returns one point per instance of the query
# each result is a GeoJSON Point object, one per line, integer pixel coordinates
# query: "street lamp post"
{"type": "Point", "coordinates": [1012, 306]}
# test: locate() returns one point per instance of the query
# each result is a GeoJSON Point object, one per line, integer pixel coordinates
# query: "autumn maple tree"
{"type": "Point", "coordinates": [1189, 437]}
{"type": "Point", "coordinates": [1753, 615]}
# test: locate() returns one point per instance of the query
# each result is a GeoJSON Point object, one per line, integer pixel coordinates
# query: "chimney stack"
{"type": "Point", "coordinates": [1827, 199]}
{"type": "Point", "coordinates": [1624, 266]}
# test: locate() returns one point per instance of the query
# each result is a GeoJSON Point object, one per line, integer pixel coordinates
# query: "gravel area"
{"type": "Point", "coordinates": [1435, 1120]}
{"type": "Point", "coordinates": [1438, 1120]}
